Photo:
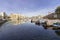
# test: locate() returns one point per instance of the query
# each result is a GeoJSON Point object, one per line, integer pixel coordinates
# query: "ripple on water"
{"type": "Point", "coordinates": [26, 31]}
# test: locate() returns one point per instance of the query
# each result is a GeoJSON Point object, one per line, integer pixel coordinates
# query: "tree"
{"type": "Point", "coordinates": [57, 11]}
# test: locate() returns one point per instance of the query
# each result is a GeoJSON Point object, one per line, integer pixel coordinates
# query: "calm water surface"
{"type": "Point", "coordinates": [27, 31]}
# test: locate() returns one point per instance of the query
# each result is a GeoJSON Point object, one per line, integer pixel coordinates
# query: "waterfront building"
{"type": "Point", "coordinates": [13, 16]}
{"type": "Point", "coordinates": [16, 16]}
{"type": "Point", "coordinates": [35, 18]}
{"type": "Point", "coordinates": [52, 16]}
{"type": "Point", "coordinates": [3, 15]}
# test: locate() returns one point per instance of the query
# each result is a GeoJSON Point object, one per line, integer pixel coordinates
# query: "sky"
{"type": "Point", "coordinates": [29, 7]}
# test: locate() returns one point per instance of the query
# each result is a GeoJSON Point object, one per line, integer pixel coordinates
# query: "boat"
{"type": "Point", "coordinates": [56, 25]}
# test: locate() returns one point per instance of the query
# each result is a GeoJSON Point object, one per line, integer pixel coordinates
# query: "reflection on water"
{"type": "Point", "coordinates": [57, 30]}
{"type": "Point", "coordinates": [16, 22]}
{"type": "Point", "coordinates": [27, 31]}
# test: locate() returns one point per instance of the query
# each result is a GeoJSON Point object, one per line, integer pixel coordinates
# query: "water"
{"type": "Point", "coordinates": [27, 31]}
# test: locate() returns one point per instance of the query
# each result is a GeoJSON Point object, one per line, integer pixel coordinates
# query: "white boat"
{"type": "Point", "coordinates": [57, 24]}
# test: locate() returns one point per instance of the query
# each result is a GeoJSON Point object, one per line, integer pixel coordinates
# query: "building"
{"type": "Point", "coordinates": [3, 15]}
{"type": "Point", "coordinates": [52, 16]}
{"type": "Point", "coordinates": [35, 18]}
{"type": "Point", "coordinates": [17, 17]}
{"type": "Point", "coordinates": [14, 16]}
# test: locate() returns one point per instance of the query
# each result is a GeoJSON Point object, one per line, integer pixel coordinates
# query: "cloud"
{"type": "Point", "coordinates": [29, 7]}
{"type": "Point", "coordinates": [42, 12]}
